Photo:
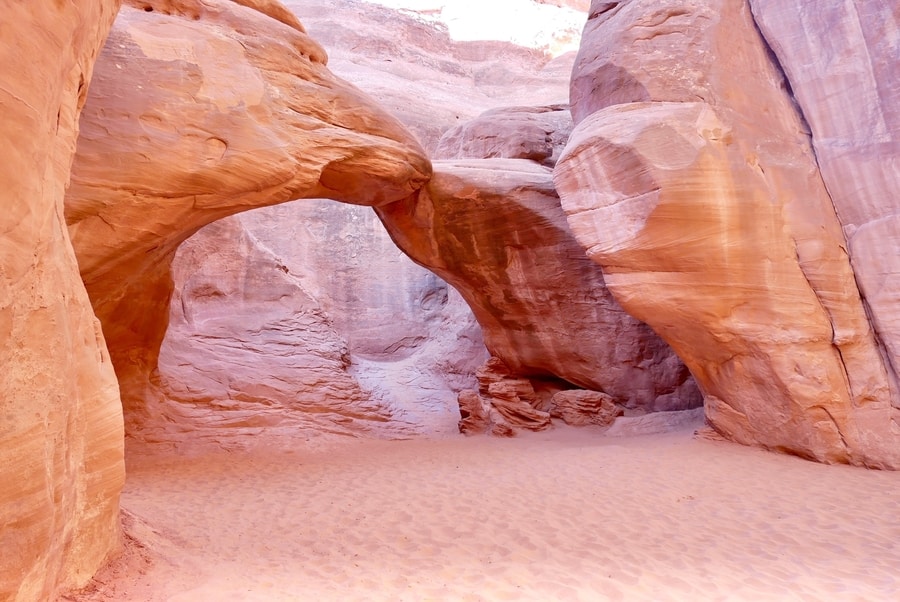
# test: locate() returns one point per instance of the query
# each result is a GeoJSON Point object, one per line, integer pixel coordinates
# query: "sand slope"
{"type": "Point", "coordinates": [561, 515]}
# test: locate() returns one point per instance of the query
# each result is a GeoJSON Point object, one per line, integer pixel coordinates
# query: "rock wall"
{"type": "Point", "coordinates": [304, 319]}
{"type": "Point", "coordinates": [697, 191]}
{"type": "Point", "coordinates": [841, 62]}
{"type": "Point", "coordinates": [200, 110]}
{"type": "Point", "coordinates": [60, 417]}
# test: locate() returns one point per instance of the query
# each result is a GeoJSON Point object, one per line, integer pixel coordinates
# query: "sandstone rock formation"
{"type": "Point", "coordinates": [698, 192]}
{"type": "Point", "coordinates": [411, 340]}
{"type": "Point", "coordinates": [241, 112]}
{"type": "Point", "coordinates": [60, 417]}
{"type": "Point", "coordinates": [536, 133]}
{"type": "Point", "coordinates": [304, 319]}
{"type": "Point", "coordinates": [494, 229]}
{"type": "Point", "coordinates": [841, 61]}
{"type": "Point", "coordinates": [579, 407]}
{"type": "Point", "coordinates": [248, 348]}
{"type": "Point", "coordinates": [503, 403]}
{"type": "Point", "coordinates": [428, 80]}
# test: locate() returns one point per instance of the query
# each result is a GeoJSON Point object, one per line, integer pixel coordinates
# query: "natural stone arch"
{"type": "Point", "coordinates": [172, 140]}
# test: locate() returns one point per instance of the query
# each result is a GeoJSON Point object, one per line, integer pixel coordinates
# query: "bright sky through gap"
{"type": "Point", "coordinates": [523, 22]}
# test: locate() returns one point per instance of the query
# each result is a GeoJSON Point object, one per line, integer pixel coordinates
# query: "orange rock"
{"type": "Point", "coordinates": [200, 110]}
{"type": "Point", "coordinates": [60, 417]}
{"type": "Point", "coordinates": [841, 61]}
{"type": "Point", "coordinates": [579, 407]}
{"type": "Point", "coordinates": [697, 191]}
{"type": "Point", "coordinates": [494, 229]}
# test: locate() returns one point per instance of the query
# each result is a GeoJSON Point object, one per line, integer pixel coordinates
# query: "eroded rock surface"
{"type": "Point", "coordinates": [494, 229]}
{"type": "Point", "coordinates": [841, 60]}
{"type": "Point", "coordinates": [200, 110]}
{"type": "Point", "coordinates": [504, 403]}
{"type": "Point", "coordinates": [697, 190]}
{"type": "Point", "coordinates": [536, 133]}
{"type": "Point", "coordinates": [579, 407]}
{"type": "Point", "coordinates": [249, 350]}
{"type": "Point", "coordinates": [304, 319]}
{"type": "Point", "coordinates": [61, 457]}
{"type": "Point", "coordinates": [416, 70]}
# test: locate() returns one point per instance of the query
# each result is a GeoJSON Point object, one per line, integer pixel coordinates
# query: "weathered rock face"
{"type": "Point", "coordinates": [242, 112]}
{"type": "Point", "coordinates": [411, 340]}
{"type": "Point", "coordinates": [841, 61]}
{"type": "Point", "coordinates": [583, 408]}
{"type": "Point", "coordinates": [536, 133]}
{"type": "Point", "coordinates": [494, 229]}
{"type": "Point", "coordinates": [697, 191]}
{"type": "Point", "coordinates": [504, 403]}
{"type": "Point", "coordinates": [427, 79]}
{"type": "Point", "coordinates": [60, 417]}
{"type": "Point", "coordinates": [305, 319]}
{"type": "Point", "coordinates": [248, 348]}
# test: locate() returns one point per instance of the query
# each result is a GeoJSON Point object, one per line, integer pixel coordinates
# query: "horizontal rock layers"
{"type": "Point", "coordinates": [697, 191]}
{"type": "Point", "coordinates": [61, 456]}
{"type": "Point", "coordinates": [200, 110]}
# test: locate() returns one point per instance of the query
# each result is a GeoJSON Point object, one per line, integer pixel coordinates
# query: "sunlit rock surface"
{"type": "Point", "coordinates": [61, 457]}
{"type": "Point", "coordinates": [431, 81]}
{"type": "Point", "coordinates": [200, 110]}
{"type": "Point", "coordinates": [697, 191]}
{"type": "Point", "coordinates": [841, 60]}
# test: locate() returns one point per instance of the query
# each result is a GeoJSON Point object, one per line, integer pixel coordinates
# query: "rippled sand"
{"type": "Point", "coordinates": [562, 515]}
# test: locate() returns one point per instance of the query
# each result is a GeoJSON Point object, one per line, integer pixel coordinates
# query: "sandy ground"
{"type": "Point", "coordinates": [560, 515]}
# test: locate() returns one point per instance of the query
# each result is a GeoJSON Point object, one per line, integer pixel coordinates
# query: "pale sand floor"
{"type": "Point", "coordinates": [562, 515]}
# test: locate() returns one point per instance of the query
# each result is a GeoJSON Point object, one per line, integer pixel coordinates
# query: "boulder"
{"type": "Point", "coordinates": [536, 133]}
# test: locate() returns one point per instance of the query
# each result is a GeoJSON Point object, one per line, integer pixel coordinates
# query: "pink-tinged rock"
{"type": "Point", "coordinates": [841, 59]}
{"type": "Point", "coordinates": [61, 456]}
{"type": "Point", "coordinates": [494, 229]}
{"type": "Point", "coordinates": [201, 110]}
{"type": "Point", "coordinates": [536, 133]}
{"type": "Point", "coordinates": [504, 403]}
{"type": "Point", "coordinates": [712, 224]}
{"type": "Point", "coordinates": [429, 80]}
{"type": "Point", "coordinates": [579, 407]}
{"type": "Point", "coordinates": [307, 317]}
{"type": "Point", "coordinates": [249, 350]}
{"type": "Point", "coordinates": [474, 413]}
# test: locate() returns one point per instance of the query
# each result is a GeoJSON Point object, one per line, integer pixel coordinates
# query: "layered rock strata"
{"type": "Point", "coordinates": [504, 403]}
{"type": "Point", "coordinates": [494, 229]}
{"type": "Point", "coordinates": [60, 417]}
{"type": "Point", "coordinates": [242, 112]}
{"type": "Point", "coordinates": [697, 191]}
{"type": "Point", "coordinates": [578, 407]}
